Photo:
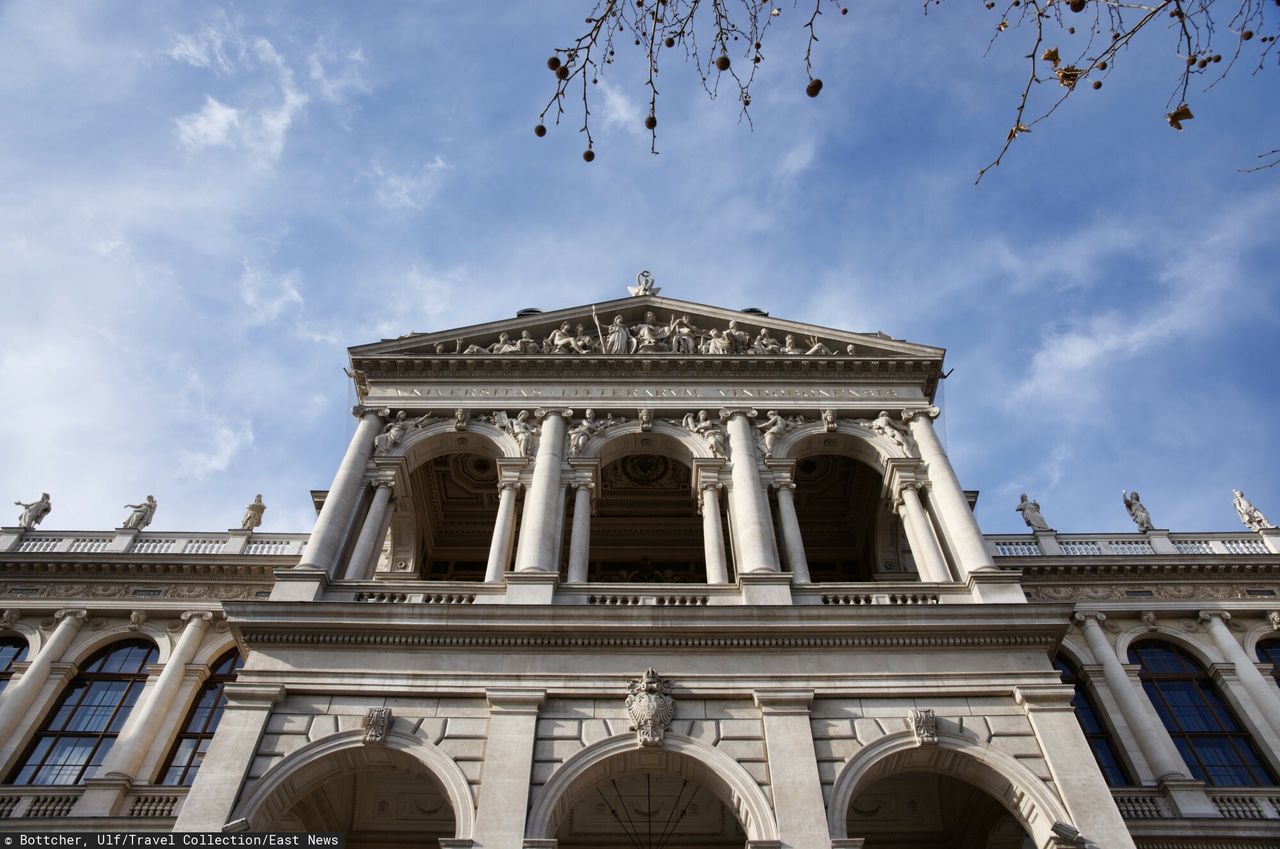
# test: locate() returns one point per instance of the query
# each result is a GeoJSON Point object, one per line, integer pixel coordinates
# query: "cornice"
{"type": "Point", "coordinates": [1147, 566]}
{"type": "Point", "coordinates": [99, 566]}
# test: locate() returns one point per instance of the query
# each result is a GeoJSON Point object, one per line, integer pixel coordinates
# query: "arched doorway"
{"type": "Point", "coordinates": [652, 808]}
{"type": "Point", "coordinates": [375, 795]}
{"type": "Point", "coordinates": [929, 810]}
{"type": "Point", "coordinates": [454, 505]}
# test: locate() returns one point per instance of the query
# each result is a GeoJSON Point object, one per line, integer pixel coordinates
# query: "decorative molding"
{"type": "Point", "coordinates": [650, 706]}
{"type": "Point", "coordinates": [924, 725]}
{"type": "Point", "coordinates": [377, 724]}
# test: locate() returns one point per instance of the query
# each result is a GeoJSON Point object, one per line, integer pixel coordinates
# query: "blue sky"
{"type": "Point", "coordinates": [204, 204]}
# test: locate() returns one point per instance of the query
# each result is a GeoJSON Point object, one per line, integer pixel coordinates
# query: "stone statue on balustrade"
{"type": "Point", "coordinates": [1250, 515]}
{"type": "Point", "coordinates": [889, 429]}
{"type": "Point", "coordinates": [142, 513]}
{"type": "Point", "coordinates": [703, 426]}
{"type": "Point", "coordinates": [581, 433]}
{"type": "Point", "coordinates": [394, 432]}
{"type": "Point", "coordinates": [1030, 511]}
{"type": "Point", "coordinates": [253, 514]}
{"type": "Point", "coordinates": [1137, 510]}
{"type": "Point", "coordinates": [34, 513]}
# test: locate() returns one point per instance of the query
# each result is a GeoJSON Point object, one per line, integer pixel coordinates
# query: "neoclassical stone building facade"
{"type": "Point", "coordinates": [646, 574]}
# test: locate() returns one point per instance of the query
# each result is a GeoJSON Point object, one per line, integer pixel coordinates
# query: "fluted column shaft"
{"type": "Point", "coordinates": [580, 535]}
{"type": "Point", "coordinates": [756, 550]}
{"type": "Point", "coordinates": [362, 554]}
{"type": "Point", "coordinates": [338, 513]}
{"type": "Point", "coordinates": [539, 532]}
{"type": "Point", "coordinates": [1139, 715]}
{"type": "Point", "coordinates": [930, 563]}
{"type": "Point", "coordinates": [1264, 693]}
{"type": "Point", "coordinates": [792, 543]}
{"type": "Point", "coordinates": [947, 496]}
{"type": "Point", "coordinates": [16, 699]}
{"type": "Point", "coordinates": [713, 535]}
{"type": "Point", "coordinates": [138, 735]}
{"type": "Point", "coordinates": [503, 533]}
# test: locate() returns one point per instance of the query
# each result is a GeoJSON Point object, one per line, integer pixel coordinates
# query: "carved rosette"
{"type": "Point", "coordinates": [377, 725]}
{"type": "Point", "coordinates": [650, 706]}
{"type": "Point", "coordinates": [924, 725]}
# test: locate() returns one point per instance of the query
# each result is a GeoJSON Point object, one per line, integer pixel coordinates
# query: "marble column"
{"type": "Point", "coordinates": [930, 563]}
{"type": "Point", "coordinates": [362, 561]}
{"type": "Point", "coordinates": [539, 532]}
{"type": "Point", "coordinates": [213, 795]}
{"type": "Point", "coordinates": [713, 534]}
{"type": "Point", "coordinates": [1264, 693]}
{"type": "Point", "coordinates": [338, 513]}
{"type": "Point", "coordinates": [16, 700]}
{"type": "Point", "coordinates": [756, 548]}
{"type": "Point", "coordinates": [503, 533]}
{"type": "Point", "coordinates": [792, 542]}
{"type": "Point", "coordinates": [964, 537]}
{"type": "Point", "coordinates": [138, 735]}
{"type": "Point", "coordinates": [580, 535]}
{"type": "Point", "coordinates": [1139, 715]}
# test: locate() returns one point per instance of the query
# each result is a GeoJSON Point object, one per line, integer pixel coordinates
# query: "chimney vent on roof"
{"type": "Point", "coordinates": [754, 311]}
{"type": "Point", "coordinates": [528, 311]}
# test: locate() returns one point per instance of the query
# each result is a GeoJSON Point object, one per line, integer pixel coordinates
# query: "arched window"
{"type": "Point", "coordinates": [1212, 741]}
{"type": "Point", "coordinates": [11, 649]}
{"type": "Point", "coordinates": [202, 720]}
{"type": "Point", "coordinates": [1095, 731]}
{"type": "Point", "coordinates": [1269, 652]}
{"type": "Point", "coordinates": [79, 732]}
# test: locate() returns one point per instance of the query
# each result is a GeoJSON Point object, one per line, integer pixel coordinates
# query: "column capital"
{"type": "Point", "coordinates": [505, 485]}
{"type": "Point", "coordinates": [362, 410]}
{"type": "Point", "coordinates": [926, 413]}
{"type": "Point", "coordinates": [727, 413]}
{"type": "Point", "coordinates": [542, 413]}
{"type": "Point", "coordinates": [1084, 617]}
{"type": "Point", "coordinates": [76, 613]}
{"type": "Point", "coordinates": [788, 485]}
{"type": "Point", "coordinates": [1208, 615]}
{"type": "Point", "coordinates": [253, 695]}
{"type": "Point", "coordinates": [783, 701]}
{"type": "Point", "coordinates": [193, 616]}
{"type": "Point", "coordinates": [515, 700]}
{"type": "Point", "coordinates": [900, 486]}
{"type": "Point", "coordinates": [382, 482]}
{"type": "Point", "coordinates": [588, 485]}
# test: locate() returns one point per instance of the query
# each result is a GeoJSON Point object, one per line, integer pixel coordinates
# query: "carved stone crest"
{"type": "Point", "coordinates": [650, 706]}
{"type": "Point", "coordinates": [924, 725]}
{"type": "Point", "coordinates": [377, 724]}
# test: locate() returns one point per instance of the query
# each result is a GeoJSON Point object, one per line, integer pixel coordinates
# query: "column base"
{"type": "Point", "coordinates": [997, 586]}
{"type": "Point", "coordinates": [765, 588]}
{"type": "Point", "coordinates": [102, 796]}
{"type": "Point", "coordinates": [1187, 798]}
{"type": "Point", "coordinates": [300, 583]}
{"type": "Point", "coordinates": [532, 587]}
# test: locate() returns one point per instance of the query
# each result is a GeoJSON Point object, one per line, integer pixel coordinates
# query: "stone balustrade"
{"type": "Point", "coordinates": [127, 541]}
{"type": "Point", "coordinates": [141, 804]}
{"type": "Point", "coordinates": [1051, 543]}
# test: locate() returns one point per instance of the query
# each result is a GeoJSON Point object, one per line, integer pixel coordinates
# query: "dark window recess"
{"type": "Point", "coordinates": [1095, 730]}
{"type": "Point", "coordinates": [202, 720]}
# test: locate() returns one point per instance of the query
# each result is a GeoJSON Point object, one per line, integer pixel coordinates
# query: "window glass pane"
{"type": "Point", "coordinates": [201, 723]}
{"type": "Point", "coordinates": [1095, 731]}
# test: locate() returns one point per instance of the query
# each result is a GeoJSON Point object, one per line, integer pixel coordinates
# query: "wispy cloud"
{"type": "Point", "coordinates": [337, 76]}
{"type": "Point", "coordinates": [268, 295]}
{"type": "Point", "coordinates": [212, 126]}
{"type": "Point", "coordinates": [413, 190]}
{"type": "Point", "coordinates": [213, 450]}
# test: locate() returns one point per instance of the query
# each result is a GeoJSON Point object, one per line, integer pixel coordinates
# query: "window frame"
{"type": "Point", "coordinates": [1070, 671]}
{"type": "Point", "coordinates": [23, 651]}
{"type": "Point", "coordinates": [58, 731]}
{"type": "Point", "coordinates": [1212, 710]}
{"type": "Point", "coordinates": [215, 683]}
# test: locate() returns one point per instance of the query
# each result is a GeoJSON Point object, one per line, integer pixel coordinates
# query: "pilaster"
{"type": "Point", "coordinates": [793, 768]}
{"type": "Point", "coordinates": [503, 798]}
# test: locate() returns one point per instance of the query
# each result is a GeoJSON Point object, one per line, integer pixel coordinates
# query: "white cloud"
{"type": "Point", "coordinates": [618, 110]}
{"type": "Point", "coordinates": [410, 191]}
{"type": "Point", "coordinates": [337, 78]}
{"type": "Point", "coordinates": [268, 295]}
{"type": "Point", "coordinates": [209, 47]}
{"type": "Point", "coordinates": [212, 126]}
{"type": "Point", "coordinates": [799, 157]}
{"type": "Point", "coordinates": [222, 441]}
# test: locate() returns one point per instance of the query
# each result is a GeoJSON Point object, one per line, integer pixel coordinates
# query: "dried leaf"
{"type": "Point", "coordinates": [1018, 129]}
{"type": "Point", "coordinates": [1051, 55]}
{"type": "Point", "coordinates": [1068, 76]}
{"type": "Point", "coordinates": [1177, 116]}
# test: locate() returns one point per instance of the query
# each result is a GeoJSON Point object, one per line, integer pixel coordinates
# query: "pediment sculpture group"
{"type": "Point", "coordinates": [675, 335]}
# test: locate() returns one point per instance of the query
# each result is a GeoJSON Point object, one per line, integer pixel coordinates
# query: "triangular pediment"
{"type": "Point", "coordinates": [645, 325]}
